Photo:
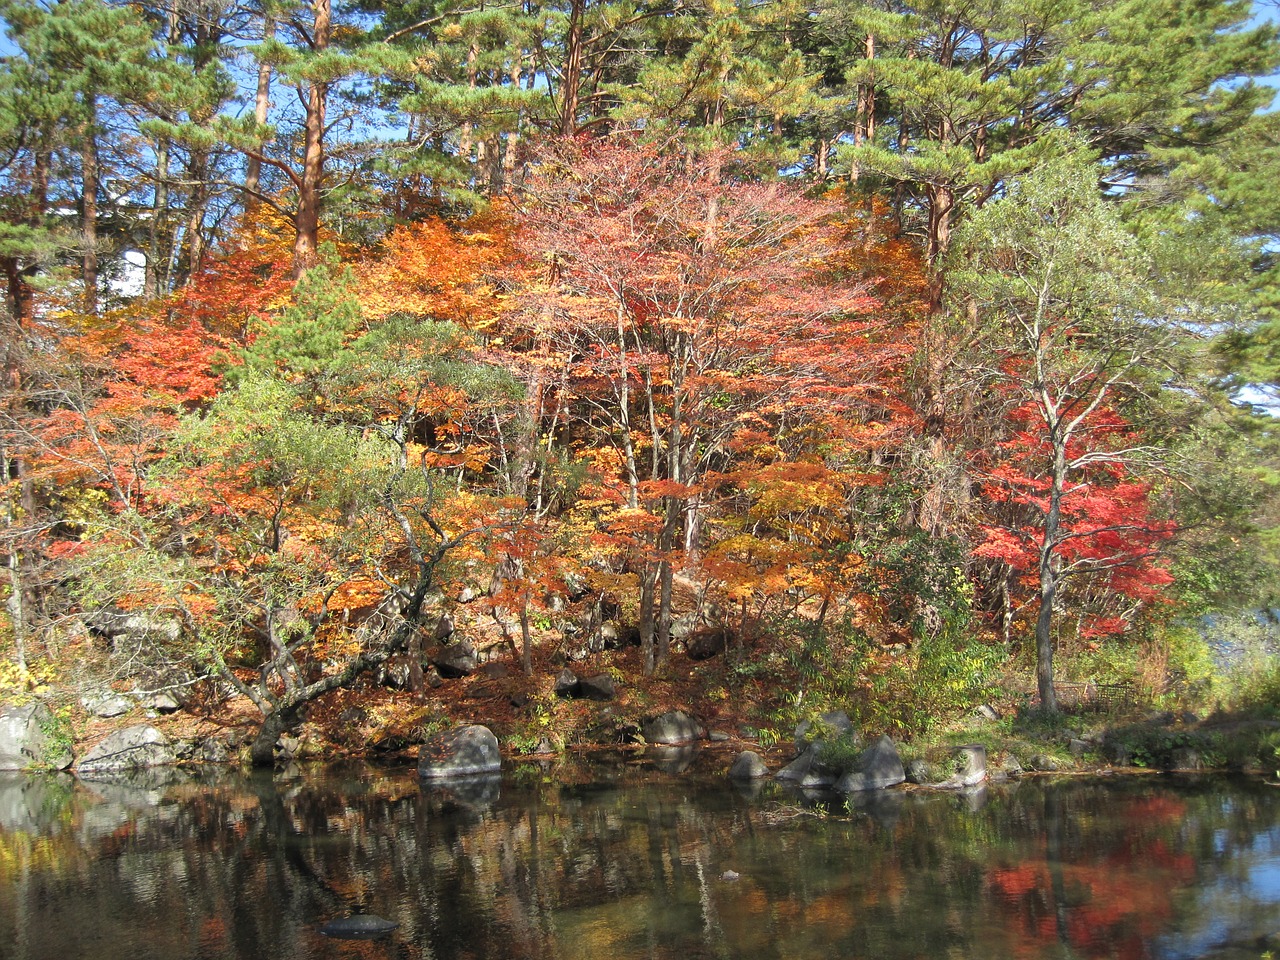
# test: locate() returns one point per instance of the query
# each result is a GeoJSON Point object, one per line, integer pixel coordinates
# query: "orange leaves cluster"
{"type": "Point", "coordinates": [433, 270]}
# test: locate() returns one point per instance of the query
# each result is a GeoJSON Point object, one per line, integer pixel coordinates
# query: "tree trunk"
{"type": "Point", "coordinates": [261, 108]}
{"type": "Point", "coordinates": [89, 211]}
{"type": "Point", "coordinates": [307, 219]}
{"type": "Point", "coordinates": [1050, 577]}
{"type": "Point", "coordinates": [572, 78]}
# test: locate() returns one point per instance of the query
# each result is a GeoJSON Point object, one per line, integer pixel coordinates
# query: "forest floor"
{"type": "Point", "coordinates": [369, 721]}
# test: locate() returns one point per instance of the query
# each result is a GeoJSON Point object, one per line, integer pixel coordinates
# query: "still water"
{"type": "Point", "coordinates": [623, 861]}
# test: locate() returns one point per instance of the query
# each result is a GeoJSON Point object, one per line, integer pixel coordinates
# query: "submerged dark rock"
{"type": "Point", "coordinates": [363, 926]}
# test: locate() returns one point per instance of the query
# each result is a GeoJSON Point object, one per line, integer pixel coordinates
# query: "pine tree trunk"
{"type": "Point", "coordinates": [261, 107]}
{"type": "Point", "coordinates": [307, 219]}
{"type": "Point", "coordinates": [89, 211]}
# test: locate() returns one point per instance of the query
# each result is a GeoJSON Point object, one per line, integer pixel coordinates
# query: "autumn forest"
{"type": "Point", "coordinates": [891, 355]}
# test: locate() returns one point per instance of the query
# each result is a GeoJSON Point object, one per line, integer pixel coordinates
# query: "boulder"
{"type": "Point", "coordinates": [444, 628]}
{"type": "Point", "coordinates": [566, 684]}
{"type": "Point", "coordinates": [748, 766]}
{"type": "Point", "coordinates": [456, 660]}
{"type": "Point", "coordinates": [675, 726]}
{"type": "Point", "coordinates": [106, 704]}
{"type": "Point", "coordinates": [970, 765]}
{"type": "Point", "coordinates": [161, 701]}
{"type": "Point", "coordinates": [599, 688]}
{"type": "Point", "coordinates": [129, 749]}
{"type": "Point", "coordinates": [394, 672]}
{"type": "Point", "coordinates": [461, 752]}
{"type": "Point", "coordinates": [832, 724]}
{"type": "Point", "coordinates": [924, 773]}
{"type": "Point", "coordinates": [706, 643]}
{"type": "Point", "coordinates": [26, 739]}
{"type": "Point", "coordinates": [807, 772]}
{"type": "Point", "coordinates": [878, 767]}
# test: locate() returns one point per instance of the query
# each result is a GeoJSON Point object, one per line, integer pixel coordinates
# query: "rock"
{"type": "Point", "coordinates": [444, 628]}
{"type": "Point", "coordinates": [1185, 758]}
{"type": "Point", "coordinates": [495, 671]}
{"type": "Point", "coordinates": [878, 767]}
{"type": "Point", "coordinates": [106, 704]}
{"type": "Point", "coordinates": [468, 594]}
{"type": "Point", "coordinates": [987, 712]}
{"type": "Point", "coordinates": [807, 773]}
{"type": "Point", "coordinates": [161, 701]}
{"type": "Point", "coordinates": [566, 684]}
{"type": "Point", "coordinates": [599, 688]}
{"type": "Point", "coordinates": [718, 736]}
{"type": "Point", "coordinates": [213, 750]}
{"type": "Point", "coordinates": [455, 660]}
{"type": "Point", "coordinates": [362, 926]}
{"type": "Point", "coordinates": [1077, 747]}
{"type": "Point", "coordinates": [675, 726]}
{"type": "Point", "coordinates": [461, 752]}
{"type": "Point", "coordinates": [26, 739]}
{"type": "Point", "coordinates": [971, 765]}
{"type": "Point", "coordinates": [831, 725]}
{"type": "Point", "coordinates": [729, 876]}
{"type": "Point", "coordinates": [1188, 718]}
{"type": "Point", "coordinates": [394, 672]}
{"type": "Point", "coordinates": [707, 642]}
{"type": "Point", "coordinates": [129, 749]}
{"type": "Point", "coordinates": [748, 766]}
{"type": "Point", "coordinates": [923, 772]}
{"type": "Point", "coordinates": [1011, 768]}
{"type": "Point", "coordinates": [1043, 763]}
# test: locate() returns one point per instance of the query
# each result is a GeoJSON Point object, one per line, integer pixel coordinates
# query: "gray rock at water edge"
{"type": "Point", "coordinates": [455, 661]}
{"type": "Point", "coordinates": [26, 739]}
{"type": "Point", "coordinates": [362, 926]}
{"type": "Point", "coordinates": [129, 749]}
{"type": "Point", "coordinates": [675, 726]}
{"type": "Point", "coordinates": [833, 723]}
{"type": "Point", "coordinates": [467, 751]}
{"type": "Point", "coordinates": [1011, 768]}
{"type": "Point", "coordinates": [748, 766]}
{"type": "Point", "coordinates": [1186, 758]}
{"type": "Point", "coordinates": [878, 767]}
{"type": "Point", "coordinates": [970, 765]}
{"type": "Point", "coordinates": [600, 688]}
{"type": "Point", "coordinates": [1043, 763]}
{"type": "Point", "coordinates": [806, 772]}
{"type": "Point", "coordinates": [1077, 747]}
{"type": "Point", "coordinates": [923, 773]}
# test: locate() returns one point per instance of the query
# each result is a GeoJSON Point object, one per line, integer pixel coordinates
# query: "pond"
{"type": "Point", "coordinates": [619, 861]}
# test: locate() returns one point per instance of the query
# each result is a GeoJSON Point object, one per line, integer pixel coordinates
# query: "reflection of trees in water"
{"type": "Point", "coordinates": [249, 868]}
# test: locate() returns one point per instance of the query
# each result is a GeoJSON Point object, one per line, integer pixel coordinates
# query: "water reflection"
{"type": "Point", "coordinates": [635, 863]}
